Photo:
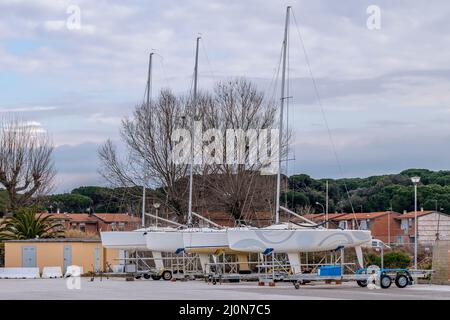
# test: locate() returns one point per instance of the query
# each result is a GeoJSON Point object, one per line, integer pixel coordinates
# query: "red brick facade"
{"type": "Point", "coordinates": [384, 225]}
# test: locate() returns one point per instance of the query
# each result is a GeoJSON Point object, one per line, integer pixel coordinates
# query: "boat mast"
{"type": "Point", "coordinates": [149, 90]}
{"type": "Point", "coordinates": [280, 134]}
{"type": "Point", "coordinates": [194, 104]}
{"type": "Point", "coordinates": [326, 204]}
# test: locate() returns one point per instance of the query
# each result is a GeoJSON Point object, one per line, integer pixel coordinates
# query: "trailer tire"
{"type": "Point", "coordinates": [385, 281]}
{"type": "Point", "coordinates": [296, 285]}
{"type": "Point", "coordinates": [401, 281]}
{"type": "Point", "coordinates": [362, 283]}
{"type": "Point", "coordinates": [167, 275]}
{"type": "Point", "coordinates": [146, 276]}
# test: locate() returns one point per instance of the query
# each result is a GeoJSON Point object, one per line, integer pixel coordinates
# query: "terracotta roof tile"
{"type": "Point", "coordinates": [322, 217]}
{"type": "Point", "coordinates": [411, 214]}
{"type": "Point", "coordinates": [364, 215]}
{"type": "Point", "coordinates": [117, 217]}
{"type": "Point", "coordinates": [77, 217]}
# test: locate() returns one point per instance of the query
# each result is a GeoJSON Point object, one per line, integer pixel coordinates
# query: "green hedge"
{"type": "Point", "coordinates": [393, 259]}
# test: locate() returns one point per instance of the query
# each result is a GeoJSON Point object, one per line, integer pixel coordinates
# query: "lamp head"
{"type": "Point", "coordinates": [415, 180]}
{"type": "Point", "coordinates": [156, 205]}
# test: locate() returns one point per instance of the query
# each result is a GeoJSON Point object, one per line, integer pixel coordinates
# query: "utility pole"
{"type": "Point", "coordinates": [415, 181]}
{"type": "Point", "coordinates": [389, 228]}
{"type": "Point", "coordinates": [194, 104]}
{"type": "Point", "coordinates": [280, 134]}
{"type": "Point", "coordinates": [389, 222]}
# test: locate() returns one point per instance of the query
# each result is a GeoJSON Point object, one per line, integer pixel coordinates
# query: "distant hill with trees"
{"type": "Point", "coordinates": [375, 193]}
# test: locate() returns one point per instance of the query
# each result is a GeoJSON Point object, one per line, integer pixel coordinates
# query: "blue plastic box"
{"type": "Point", "coordinates": [330, 271]}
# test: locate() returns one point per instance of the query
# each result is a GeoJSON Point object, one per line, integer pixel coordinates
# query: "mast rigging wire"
{"type": "Point", "coordinates": [319, 101]}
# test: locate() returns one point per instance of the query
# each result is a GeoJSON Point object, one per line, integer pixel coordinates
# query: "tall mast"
{"type": "Point", "coordinates": [149, 80]}
{"type": "Point", "coordinates": [280, 134]}
{"type": "Point", "coordinates": [194, 104]}
{"type": "Point", "coordinates": [326, 203]}
{"type": "Point", "coordinates": [149, 93]}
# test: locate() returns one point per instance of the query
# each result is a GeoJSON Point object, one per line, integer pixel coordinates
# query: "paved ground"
{"type": "Point", "coordinates": [148, 289]}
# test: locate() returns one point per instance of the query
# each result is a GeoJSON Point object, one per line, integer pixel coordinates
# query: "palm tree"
{"type": "Point", "coordinates": [26, 224]}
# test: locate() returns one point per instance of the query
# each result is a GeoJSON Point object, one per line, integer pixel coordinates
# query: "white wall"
{"type": "Point", "coordinates": [428, 227]}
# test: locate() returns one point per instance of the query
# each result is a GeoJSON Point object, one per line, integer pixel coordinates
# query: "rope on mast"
{"type": "Point", "coordinates": [319, 101]}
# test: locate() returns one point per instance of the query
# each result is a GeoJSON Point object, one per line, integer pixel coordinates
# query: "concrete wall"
{"type": "Point", "coordinates": [428, 226]}
{"type": "Point", "coordinates": [441, 263]}
{"type": "Point", "coordinates": [51, 254]}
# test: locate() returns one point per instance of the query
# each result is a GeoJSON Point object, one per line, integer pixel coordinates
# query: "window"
{"type": "Point", "coordinates": [113, 226]}
{"type": "Point", "coordinates": [82, 227]}
{"type": "Point", "coordinates": [363, 225]}
{"type": "Point", "coordinates": [121, 226]}
{"type": "Point", "coordinates": [399, 239]}
{"type": "Point", "coordinates": [343, 224]}
{"type": "Point", "coordinates": [404, 224]}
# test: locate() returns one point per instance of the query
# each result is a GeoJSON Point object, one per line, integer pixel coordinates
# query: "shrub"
{"type": "Point", "coordinates": [396, 259]}
{"type": "Point", "coordinates": [372, 259]}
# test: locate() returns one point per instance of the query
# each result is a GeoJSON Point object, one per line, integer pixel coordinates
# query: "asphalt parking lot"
{"type": "Point", "coordinates": [82, 288]}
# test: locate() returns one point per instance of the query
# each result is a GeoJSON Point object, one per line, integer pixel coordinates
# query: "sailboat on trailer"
{"type": "Point", "coordinates": [287, 237]}
{"type": "Point", "coordinates": [134, 240]}
{"type": "Point", "coordinates": [204, 241]}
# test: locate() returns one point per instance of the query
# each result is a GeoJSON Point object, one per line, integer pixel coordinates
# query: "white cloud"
{"type": "Point", "coordinates": [369, 80]}
{"type": "Point", "coordinates": [27, 109]}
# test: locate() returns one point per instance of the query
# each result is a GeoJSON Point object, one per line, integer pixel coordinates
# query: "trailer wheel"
{"type": "Point", "coordinates": [296, 285]}
{"type": "Point", "coordinates": [166, 275]}
{"type": "Point", "coordinates": [401, 281]}
{"type": "Point", "coordinates": [137, 276]}
{"type": "Point", "coordinates": [385, 281]}
{"type": "Point", "coordinates": [156, 277]}
{"type": "Point", "coordinates": [362, 283]}
{"type": "Point", "coordinates": [146, 276]}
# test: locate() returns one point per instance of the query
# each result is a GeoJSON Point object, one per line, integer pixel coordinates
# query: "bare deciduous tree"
{"type": "Point", "coordinates": [26, 165]}
{"type": "Point", "coordinates": [238, 187]}
{"type": "Point", "coordinates": [147, 138]}
{"type": "Point", "coordinates": [234, 188]}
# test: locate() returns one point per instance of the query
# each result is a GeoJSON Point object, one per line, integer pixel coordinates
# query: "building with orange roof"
{"type": "Point", "coordinates": [75, 221]}
{"type": "Point", "coordinates": [96, 222]}
{"type": "Point", "coordinates": [382, 224]}
{"type": "Point", "coordinates": [117, 221]}
{"type": "Point", "coordinates": [320, 218]}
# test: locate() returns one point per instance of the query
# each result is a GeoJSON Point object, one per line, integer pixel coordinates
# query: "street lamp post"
{"type": "Point", "coordinates": [415, 181]}
{"type": "Point", "coordinates": [323, 211]}
{"type": "Point", "coordinates": [323, 208]}
{"type": "Point", "coordinates": [156, 205]}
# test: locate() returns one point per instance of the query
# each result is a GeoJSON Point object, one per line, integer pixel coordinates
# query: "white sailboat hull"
{"type": "Point", "coordinates": [295, 240]}
{"type": "Point", "coordinates": [129, 240]}
{"type": "Point", "coordinates": [200, 240]}
{"type": "Point", "coordinates": [169, 241]}
{"type": "Point", "coordinates": [125, 240]}
{"type": "Point", "coordinates": [205, 240]}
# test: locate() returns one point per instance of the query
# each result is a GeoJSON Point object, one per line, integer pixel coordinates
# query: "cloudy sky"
{"type": "Point", "coordinates": [385, 92]}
